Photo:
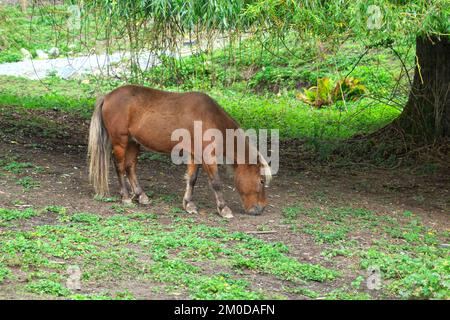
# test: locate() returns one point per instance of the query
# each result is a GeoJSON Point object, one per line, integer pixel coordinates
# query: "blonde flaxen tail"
{"type": "Point", "coordinates": [99, 152]}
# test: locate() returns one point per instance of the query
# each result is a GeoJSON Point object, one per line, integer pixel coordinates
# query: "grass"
{"type": "Point", "coordinates": [412, 263]}
{"type": "Point", "coordinates": [13, 214]}
{"type": "Point", "coordinates": [49, 94]}
{"type": "Point", "coordinates": [292, 118]}
{"type": "Point", "coordinates": [19, 169]}
{"type": "Point", "coordinates": [184, 255]}
{"type": "Point", "coordinates": [28, 183]}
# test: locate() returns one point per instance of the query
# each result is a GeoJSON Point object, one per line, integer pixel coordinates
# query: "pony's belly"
{"type": "Point", "coordinates": [155, 143]}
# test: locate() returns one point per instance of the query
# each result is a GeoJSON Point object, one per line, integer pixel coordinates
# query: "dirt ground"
{"type": "Point", "coordinates": [64, 182]}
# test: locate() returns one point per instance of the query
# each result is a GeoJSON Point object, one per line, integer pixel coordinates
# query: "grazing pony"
{"type": "Point", "coordinates": [133, 116]}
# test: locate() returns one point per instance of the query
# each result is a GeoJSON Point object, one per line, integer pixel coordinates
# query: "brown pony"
{"type": "Point", "coordinates": [133, 116]}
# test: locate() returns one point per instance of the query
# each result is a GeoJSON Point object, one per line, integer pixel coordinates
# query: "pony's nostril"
{"type": "Point", "coordinates": [256, 210]}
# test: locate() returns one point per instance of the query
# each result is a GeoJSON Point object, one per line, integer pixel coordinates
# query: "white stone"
{"type": "Point", "coordinates": [53, 52]}
{"type": "Point", "coordinates": [41, 54]}
{"type": "Point", "coordinates": [26, 54]}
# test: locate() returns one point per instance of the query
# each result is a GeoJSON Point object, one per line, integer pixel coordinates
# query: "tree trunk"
{"type": "Point", "coordinates": [427, 112]}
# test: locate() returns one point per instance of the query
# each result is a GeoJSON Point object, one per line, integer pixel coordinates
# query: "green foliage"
{"type": "Point", "coordinates": [293, 118]}
{"type": "Point", "coordinates": [327, 234]}
{"type": "Point", "coordinates": [348, 89]}
{"type": "Point", "coordinates": [408, 255]}
{"type": "Point", "coordinates": [106, 199]}
{"type": "Point", "coordinates": [17, 167]}
{"type": "Point", "coordinates": [291, 213]}
{"type": "Point", "coordinates": [36, 29]}
{"type": "Point", "coordinates": [270, 258]}
{"type": "Point", "coordinates": [49, 94]}
{"type": "Point", "coordinates": [137, 246]}
{"type": "Point", "coordinates": [11, 165]}
{"type": "Point", "coordinates": [49, 287]}
{"type": "Point", "coordinates": [326, 18]}
{"type": "Point", "coordinates": [4, 272]}
{"type": "Point", "coordinates": [223, 287]}
{"type": "Point", "coordinates": [28, 183]}
{"type": "Point", "coordinates": [304, 292]}
{"type": "Point", "coordinates": [325, 93]}
{"type": "Point", "coordinates": [319, 95]}
{"type": "Point", "coordinates": [56, 209]}
{"type": "Point", "coordinates": [13, 214]}
{"type": "Point", "coordinates": [85, 218]}
{"type": "Point", "coordinates": [422, 274]}
{"type": "Point", "coordinates": [340, 294]}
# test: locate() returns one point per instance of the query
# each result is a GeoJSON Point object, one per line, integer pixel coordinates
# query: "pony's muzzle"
{"type": "Point", "coordinates": [256, 210]}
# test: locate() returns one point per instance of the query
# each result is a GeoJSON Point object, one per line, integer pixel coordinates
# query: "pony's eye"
{"type": "Point", "coordinates": [262, 181]}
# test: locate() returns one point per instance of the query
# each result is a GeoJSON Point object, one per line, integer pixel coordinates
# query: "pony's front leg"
{"type": "Point", "coordinates": [191, 179]}
{"type": "Point", "coordinates": [216, 185]}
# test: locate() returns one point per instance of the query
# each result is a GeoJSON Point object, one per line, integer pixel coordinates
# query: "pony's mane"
{"type": "Point", "coordinates": [265, 168]}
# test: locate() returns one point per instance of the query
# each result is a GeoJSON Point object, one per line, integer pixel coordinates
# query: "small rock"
{"type": "Point", "coordinates": [41, 54]}
{"type": "Point", "coordinates": [53, 52]}
{"type": "Point", "coordinates": [26, 54]}
{"type": "Point", "coordinates": [74, 280]}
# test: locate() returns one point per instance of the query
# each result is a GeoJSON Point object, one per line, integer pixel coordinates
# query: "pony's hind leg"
{"type": "Point", "coordinates": [119, 162]}
{"type": "Point", "coordinates": [131, 161]}
{"type": "Point", "coordinates": [216, 185]}
{"type": "Point", "coordinates": [191, 178]}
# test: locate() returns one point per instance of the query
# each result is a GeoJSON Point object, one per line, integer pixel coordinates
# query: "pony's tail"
{"type": "Point", "coordinates": [99, 152]}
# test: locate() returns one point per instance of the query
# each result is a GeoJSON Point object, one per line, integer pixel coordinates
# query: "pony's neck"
{"type": "Point", "coordinates": [250, 156]}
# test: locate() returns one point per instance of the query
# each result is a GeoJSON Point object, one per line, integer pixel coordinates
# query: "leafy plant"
{"type": "Point", "coordinates": [325, 93]}
{"type": "Point", "coordinates": [46, 286]}
{"type": "Point", "coordinates": [349, 88]}
{"type": "Point", "coordinates": [4, 272]}
{"type": "Point", "coordinates": [13, 214]}
{"type": "Point", "coordinates": [413, 275]}
{"type": "Point", "coordinates": [318, 95]}
{"type": "Point", "coordinates": [28, 183]}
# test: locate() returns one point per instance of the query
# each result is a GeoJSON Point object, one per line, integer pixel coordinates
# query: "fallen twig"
{"type": "Point", "coordinates": [261, 232]}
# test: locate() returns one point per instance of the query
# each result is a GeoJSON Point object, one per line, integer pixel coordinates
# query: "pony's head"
{"type": "Point", "coordinates": [251, 180]}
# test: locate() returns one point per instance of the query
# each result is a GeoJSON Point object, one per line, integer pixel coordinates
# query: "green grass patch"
{"type": "Point", "coordinates": [47, 287]}
{"type": "Point", "coordinates": [420, 273]}
{"type": "Point", "coordinates": [412, 263]}
{"type": "Point", "coordinates": [183, 254]}
{"type": "Point", "coordinates": [14, 214]}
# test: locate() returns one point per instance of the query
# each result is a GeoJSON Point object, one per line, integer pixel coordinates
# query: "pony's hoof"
{"type": "Point", "coordinates": [225, 213]}
{"type": "Point", "coordinates": [143, 199]}
{"type": "Point", "coordinates": [127, 202]}
{"type": "Point", "coordinates": [190, 207]}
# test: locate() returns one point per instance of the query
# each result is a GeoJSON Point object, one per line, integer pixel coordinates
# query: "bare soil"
{"type": "Point", "coordinates": [64, 182]}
